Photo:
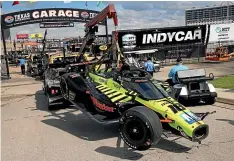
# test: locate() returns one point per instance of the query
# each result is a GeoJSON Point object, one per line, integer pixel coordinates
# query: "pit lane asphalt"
{"type": "Point", "coordinates": [31, 132]}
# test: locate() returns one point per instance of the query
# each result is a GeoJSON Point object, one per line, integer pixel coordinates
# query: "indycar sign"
{"type": "Point", "coordinates": [130, 39]}
{"type": "Point", "coordinates": [221, 32]}
{"type": "Point", "coordinates": [46, 15]}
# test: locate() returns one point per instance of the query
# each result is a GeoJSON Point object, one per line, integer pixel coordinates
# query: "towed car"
{"type": "Point", "coordinates": [140, 105]}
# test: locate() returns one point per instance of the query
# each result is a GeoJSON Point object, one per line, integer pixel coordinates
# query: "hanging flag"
{"type": "Point", "coordinates": [99, 3]}
{"type": "Point", "coordinates": [86, 3]}
{"type": "Point", "coordinates": [15, 3]}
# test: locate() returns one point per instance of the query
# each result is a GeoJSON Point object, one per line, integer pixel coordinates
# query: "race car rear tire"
{"type": "Point", "coordinates": [140, 128]}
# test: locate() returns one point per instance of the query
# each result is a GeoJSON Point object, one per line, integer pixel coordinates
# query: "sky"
{"type": "Point", "coordinates": [131, 15]}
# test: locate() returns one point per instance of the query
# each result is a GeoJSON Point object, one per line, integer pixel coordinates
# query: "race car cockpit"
{"type": "Point", "coordinates": [138, 80]}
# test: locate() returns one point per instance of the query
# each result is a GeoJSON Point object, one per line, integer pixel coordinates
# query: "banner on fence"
{"type": "Point", "coordinates": [22, 36]}
{"type": "Point", "coordinates": [36, 36]}
{"type": "Point", "coordinates": [49, 40]}
{"type": "Point", "coordinates": [221, 32]}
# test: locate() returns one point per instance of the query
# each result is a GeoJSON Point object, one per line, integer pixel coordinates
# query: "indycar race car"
{"type": "Point", "coordinates": [51, 83]}
{"type": "Point", "coordinates": [141, 106]}
{"type": "Point", "coordinates": [127, 96]}
{"type": "Point", "coordinates": [193, 87]}
{"type": "Point", "coordinates": [51, 86]}
{"type": "Point", "coordinates": [51, 76]}
{"type": "Point", "coordinates": [35, 65]}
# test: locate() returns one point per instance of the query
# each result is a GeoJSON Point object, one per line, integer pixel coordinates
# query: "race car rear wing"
{"type": "Point", "coordinates": [185, 76]}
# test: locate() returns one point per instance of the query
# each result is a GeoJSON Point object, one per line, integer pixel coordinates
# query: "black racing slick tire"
{"type": "Point", "coordinates": [140, 128]}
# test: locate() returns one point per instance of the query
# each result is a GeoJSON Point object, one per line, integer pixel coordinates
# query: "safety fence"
{"type": "Point", "coordinates": [190, 53]}
{"type": "Point", "coordinates": [228, 45]}
{"type": "Point", "coordinates": [167, 55]}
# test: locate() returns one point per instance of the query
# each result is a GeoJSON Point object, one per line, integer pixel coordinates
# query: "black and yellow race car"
{"type": "Point", "coordinates": [131, 98]}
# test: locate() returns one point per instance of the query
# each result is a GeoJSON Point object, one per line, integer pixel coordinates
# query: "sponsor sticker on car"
{"type": "Point", "coordinates": [189, 117]}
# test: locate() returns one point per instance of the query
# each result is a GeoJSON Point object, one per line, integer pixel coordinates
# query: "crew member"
{"type": "Point", "coordinates": [179, 66]}
{"type": "Point", "coordinates": [149, 66]}
{"type": "Point", "coordinates": [22, 64]}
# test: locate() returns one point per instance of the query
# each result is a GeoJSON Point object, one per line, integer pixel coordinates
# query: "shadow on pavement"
{"type": "Point", "coordinates": [130, 154]}
{"type": "Point", "coordinates": [122, 153]}
{"type": "Point", "coordinates": [76, 124]}
{"type": "Point", "coordinates": [81, 126]}
{"type": "Point", "coordinates": [41, 102]}
{"type": "Point", "coordinates": [227, 120]}
{"type": "Point", "coordinates": [171, 146]}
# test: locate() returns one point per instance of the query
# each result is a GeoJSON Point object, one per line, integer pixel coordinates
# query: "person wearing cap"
{"type": "Point", "coordinates": [179, 66]}
{"type": "Point", "coordinates": [149, 66]}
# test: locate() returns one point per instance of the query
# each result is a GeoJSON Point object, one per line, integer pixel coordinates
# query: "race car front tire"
{"type": "Point", "coordinates": [140, 128]}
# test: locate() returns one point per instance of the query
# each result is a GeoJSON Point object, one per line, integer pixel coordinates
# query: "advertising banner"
{"type": "Point", "coordinates": [221, 32]}
{"type": "Point", "coordinates": [47, 15]}
{"type": "Point", "coordinates": [22, 36]}
{"type": "Point", "coordinates": [56, 24]}
{"type": "Point", "coordinates": [49, 40]}
{"type": "Point", "coordinates": [36, 36]}
{"type": "Point", "coordinates": [31, 43]}
{"type": "Point", "coordinates": [101, 39]}
{"type": "Point", "coordinates": [151, 38]}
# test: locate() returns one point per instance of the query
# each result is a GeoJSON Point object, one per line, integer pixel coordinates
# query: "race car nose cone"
{"type": "Point", "coordinates": [200, 133]}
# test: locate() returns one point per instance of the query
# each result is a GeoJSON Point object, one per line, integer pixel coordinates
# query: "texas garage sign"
{"type": "Point", "coordinates": [46, 15]}
{"type": "Point", "coordinates": [130, 39]}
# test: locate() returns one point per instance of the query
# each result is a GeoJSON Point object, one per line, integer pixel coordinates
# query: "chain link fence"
{"type": "Point", "coordinates": [228, 45]}
{"type": "Point", "coordinates": [167, 54]}
{"type": "Point", "coordinates": [190, 52]}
